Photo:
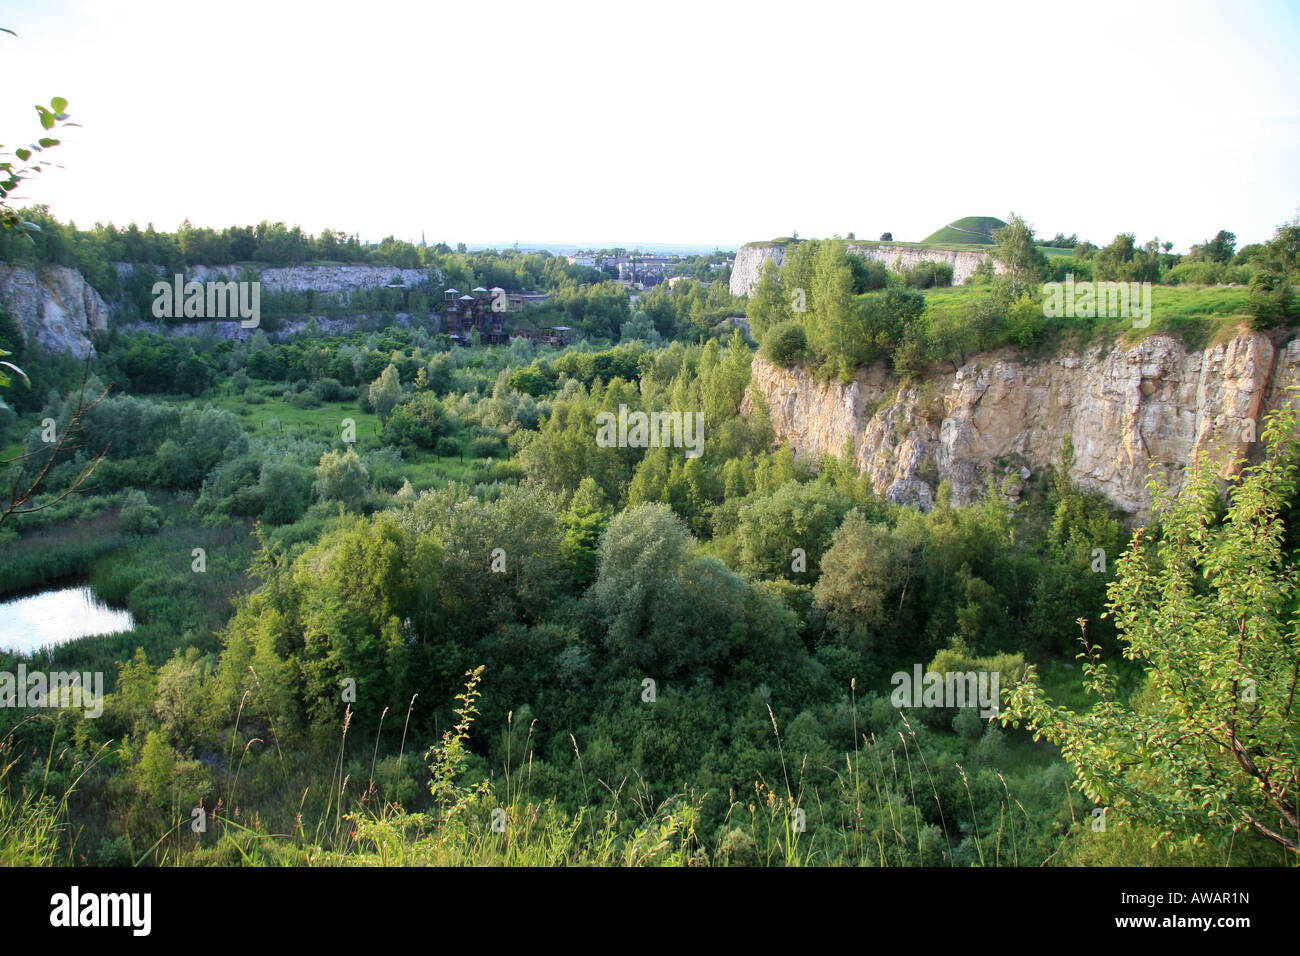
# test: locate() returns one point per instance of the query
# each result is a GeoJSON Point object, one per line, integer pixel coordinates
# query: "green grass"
{"type": "Point", "coordinates": [972, 229]}
{"type": "Point", "coordinates": [276, 418]}
{"type": "Point", "coordinates": [1197, 315]}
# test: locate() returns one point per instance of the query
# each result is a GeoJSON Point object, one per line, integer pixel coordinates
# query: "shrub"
{"type": "Point", "coordinates": [138, 516]}
{"type": "Point", "coordinates": [1025, 322]}
{"type": "Point", "coordinates": [485, 447]}
{"type": "Point", "coordinates": [1271, 299]}
{"type": "Point", "coordinates": [785, 343]}
{"type": "Point", "coordinates": [329, 390]}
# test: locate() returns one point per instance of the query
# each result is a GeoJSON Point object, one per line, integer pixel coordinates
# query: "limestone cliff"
{"type": "Point", "coordinates": [751, 259]}
{"type": "Point", "coordinates": [1003, 416]}
{"type": "Point", "coordinates": [62, 309]}
{"type": "Point", "coordinates": [57, 305]}
{"type": "Point", "coordinates": [326, 278]}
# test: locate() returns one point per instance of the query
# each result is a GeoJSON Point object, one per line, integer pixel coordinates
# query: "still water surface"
{"type": "Point", "coordinates": [55, 616]}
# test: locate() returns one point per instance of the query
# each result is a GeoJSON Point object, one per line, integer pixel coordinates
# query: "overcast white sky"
{"type": "Point", "coordinates": [663, 121]}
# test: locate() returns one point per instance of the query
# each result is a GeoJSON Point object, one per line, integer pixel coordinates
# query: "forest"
{"type": "Point", "coordinates": [393, 603]}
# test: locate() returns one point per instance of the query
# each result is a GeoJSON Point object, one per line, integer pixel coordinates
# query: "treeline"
{"type": "Point", "coordinates": [123, 264]}
{"type": "Point", "coordinates": [94, 251]}
{"type": "Point", "coordinates": [828, 309]}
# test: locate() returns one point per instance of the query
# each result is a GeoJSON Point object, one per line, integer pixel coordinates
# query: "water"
{"type": "Point", "coordinates": [57, 616]}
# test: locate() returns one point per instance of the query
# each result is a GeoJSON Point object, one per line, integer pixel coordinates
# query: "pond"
{"type": "Point", "coordinates": [56, 616]}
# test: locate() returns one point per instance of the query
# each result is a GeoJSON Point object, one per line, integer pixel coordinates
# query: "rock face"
{"type": "Point", "coordinates": [749, 265]}
{"type": "Point", "coordinates": [330, 279]}
{"type": "Point", "coordinates": [1153, 404]}
{"type": "Point", "coordinates": [63, 309]}
{"type": "Point", "coordinates": [964, 262]}
{"type": "Point", "coordinates": [58, 305]}
{"type": "Point", "coordinates": [751, 259]}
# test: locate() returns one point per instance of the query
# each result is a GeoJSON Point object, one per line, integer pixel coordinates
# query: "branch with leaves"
{"type": "Point", "coordinates": [24, 490]}
{"type": "Point", "coordinates": [1211, 607]}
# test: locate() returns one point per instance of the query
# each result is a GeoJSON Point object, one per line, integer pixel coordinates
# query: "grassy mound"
{"type": "Point", "coordinates": [972, 229]}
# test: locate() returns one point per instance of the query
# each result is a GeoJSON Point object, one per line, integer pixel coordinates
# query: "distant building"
{"type": "Point", "coordinates": [673, 280]}
{"type": "Point", "coordinates": [487, 311]}
{"type": "Point", "coordinates": [644, 271]}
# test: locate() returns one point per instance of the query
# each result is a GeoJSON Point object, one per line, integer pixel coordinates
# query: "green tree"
{"type": "Point", "coordinates": [386, 392]}
{"type": "Point", "coordinates": [156, 770]}
{"type": "Point", "coordinates": [667, 610]}
{"type": "Point", "coordinates": [1272, 300]}
{"type": "Point", "coordinates": [1023, 262]}
{"type": "Point", "coordinates": [785, 344]}
{"type": "Point", "coordinates": [865, 567]}
{"type": "Point", "coordinates": [1222, 247]}
{"type": "Point", "coordinates": [138, 516]}
{"type": "Point", "coordinates": [341, 476]}
{"type": "Point", "coordinates": [285, 488]}
{"type": "Point", "coordinates": [1208, 607]}
{"type": "Point", "coordinates": [801, 515]}
{"type": "Point", "coordinates": [768, 305]}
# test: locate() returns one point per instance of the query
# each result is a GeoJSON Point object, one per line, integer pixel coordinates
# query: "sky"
{"type": "Point", "coordinates": [695, 122]}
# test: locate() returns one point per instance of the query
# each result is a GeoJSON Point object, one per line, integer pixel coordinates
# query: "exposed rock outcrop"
{"type": "Point", "coordinates": [58, 305]}
{"type": "Point", "coordinates": [1154, 403]}
{"type": "Point", "coordinates": [751, 259]}
{"type": "Point", "coordinates": [62, 309]}
{"type": "Point", "coordinates": [326, 278]}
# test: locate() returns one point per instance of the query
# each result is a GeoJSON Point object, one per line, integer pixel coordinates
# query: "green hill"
{"type": "Point", "coordinates": [972, 229]}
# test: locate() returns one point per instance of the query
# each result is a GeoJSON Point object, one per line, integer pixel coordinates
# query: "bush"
{"type": "Point", "coordinates": [1207, 273]}
{"type": "Point", "coordinates": [785, 343]}
{"type": "Point", "coordinates": [485, 447]}
{"type": "Point", "coordinates": [529, 381]}
{"type": "Point", "coordinates": [1025, 322]}
{"type": "Point", "coordinates": [329, 390]}
{"type": "Point", "coordinates": [1062, 266]}
{"type": "Point", "coordinates": [928, 275]}
{"type": "Point", "coordinates": [285, 488]}
{"type": "Point", "coordinates": [868, 274]}
{"type": "Point", "coordinates": [138, 516]}
{"type": "Point", "coordinates": [1271, 299]}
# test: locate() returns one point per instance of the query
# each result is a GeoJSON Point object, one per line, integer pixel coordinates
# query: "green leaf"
{"type": "Point", "coordinates": [47, 142]}
{"type": "Point", "coordinates": [17, 371]}
{"type": "Point", "coordinates": [23, 154]}
{"type": "Point", "coordinates": [59, 104]}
